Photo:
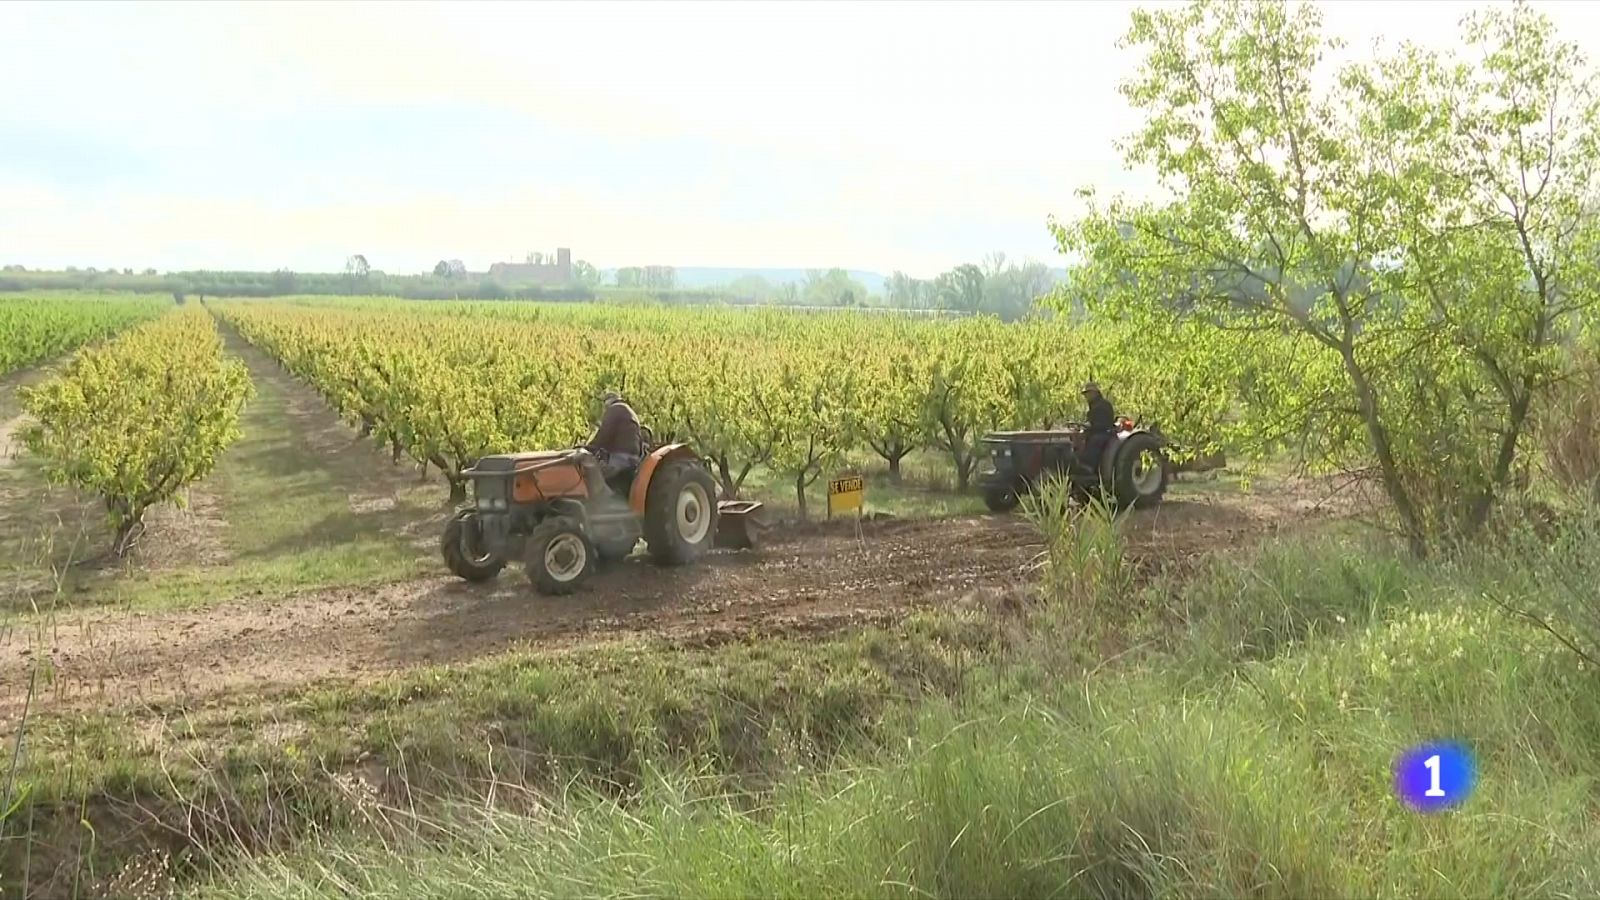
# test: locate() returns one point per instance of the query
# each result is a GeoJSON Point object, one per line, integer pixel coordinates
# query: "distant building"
{"type": "Point", "coordinates": [543, 274]}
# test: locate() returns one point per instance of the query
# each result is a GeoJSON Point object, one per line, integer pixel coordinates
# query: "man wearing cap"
{"type": "Point", "coordinates": [1102, 426]}
{"type": "Point", "coordinates": [618, 441]}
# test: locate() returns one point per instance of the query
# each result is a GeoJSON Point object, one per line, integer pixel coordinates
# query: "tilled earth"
{"type": "Point", "coordinates": [816, 578]}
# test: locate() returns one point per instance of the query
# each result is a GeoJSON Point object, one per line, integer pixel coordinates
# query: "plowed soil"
{"type": "Point", "coordinates": [807, 579]}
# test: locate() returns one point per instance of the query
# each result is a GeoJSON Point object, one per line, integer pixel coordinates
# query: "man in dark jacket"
{"type": "Point", "coordinates": [618, 440]}
{"type": "Point", "coordinates": [1102, 427]}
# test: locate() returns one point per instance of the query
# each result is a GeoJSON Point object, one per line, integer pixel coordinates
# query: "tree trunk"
{"type": "Point", "coordinates": [1389, 469]}
{"type": "Point", "coordinates": [458, 484]}
{"type": "Point", "coordinates": [1484, 502]}
{"type": "Point", "coordinates": [892, 451]}
{"type": "Point", "coordinates": [800, 494]}
{"type": "Point", "coordinates": [731, 484]}
{"type": "Point", "coordinates": [963, 462]}
{"type": "Point", "coordinates": [127, 535]}
{"type": "Point", "coordinates": [956, 443]}
{"type": "Point", "coordinates": [962, 456]}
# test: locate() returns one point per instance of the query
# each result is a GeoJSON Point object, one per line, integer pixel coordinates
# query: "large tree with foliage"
{"type": "Point", "coordinates": [584, 273]}
{"type": "Point", "coordinates": [902, 290]}
{"type": "Point", "coordinates": [998, 287]}
{"type": "Point", "coordinates": [833, 287]}
{"type": "Point", "coordinates": [1010, 290]}
{"type": "Point", "coordinates": [1419, 224]}
{"type": "Point", "coordinates": [1497, 225]}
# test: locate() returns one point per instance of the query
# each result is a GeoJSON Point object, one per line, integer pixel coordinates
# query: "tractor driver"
{"type": "Point", "coordinates": [1102, 426]}
{"type": "Point", "coordinates": [618, 437]}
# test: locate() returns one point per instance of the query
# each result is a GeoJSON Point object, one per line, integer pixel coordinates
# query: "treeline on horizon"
{"type": "Point", "coordinates": [996, 287]}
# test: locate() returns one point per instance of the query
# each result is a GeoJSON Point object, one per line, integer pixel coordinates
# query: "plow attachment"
{"type": "Point", "coordinates": [740, 524]}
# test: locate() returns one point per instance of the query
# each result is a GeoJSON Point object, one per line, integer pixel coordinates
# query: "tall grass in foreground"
{"type": "Point", "coordinates": [1274, 785]}
{"type": "Point", "coordinates": [1249, 757]}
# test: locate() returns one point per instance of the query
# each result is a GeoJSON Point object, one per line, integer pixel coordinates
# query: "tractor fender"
{"type": "Point", "coordinates": [1124, 435]}
{"type": "Point", "coordinates": [647, 469]}
{"type": "Point", "coordinates": [1108, 459]}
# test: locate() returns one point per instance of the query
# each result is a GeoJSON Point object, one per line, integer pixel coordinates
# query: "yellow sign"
{"type": "Point", "coordinates": [846, 493]}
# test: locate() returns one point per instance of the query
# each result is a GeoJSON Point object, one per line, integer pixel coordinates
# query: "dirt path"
{"type": "Point", "coordinates": [11, 417]}
{"type": "Point", "coordinates": [816, 579]}
{"type": "Point", "coordinates": [9, 446]}
{"type": "Point", "coordinates": [311, 482]}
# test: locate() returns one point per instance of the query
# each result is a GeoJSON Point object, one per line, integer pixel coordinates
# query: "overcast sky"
{"type": "Point", "coordinates": [889, 135]}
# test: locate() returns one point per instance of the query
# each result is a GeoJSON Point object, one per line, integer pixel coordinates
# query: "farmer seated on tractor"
{"type": "Point", "coordinates": [617, 442]}
{"type": "Point", "coordinates": [1102, 424]}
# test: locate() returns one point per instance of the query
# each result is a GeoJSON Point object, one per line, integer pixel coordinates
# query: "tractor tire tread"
{"type": "Point", "coordinates": [456, 557]}
{"type": "Point", "coordinates": [665, 545]}
{"type": "Point", "coordinates": [1123, 489]}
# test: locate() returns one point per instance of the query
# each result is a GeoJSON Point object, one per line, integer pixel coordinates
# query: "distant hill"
{"type": "Point", "coordinates": [698, 277]}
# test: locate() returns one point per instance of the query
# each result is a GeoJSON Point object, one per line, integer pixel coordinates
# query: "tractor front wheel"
{"type": "Point", "coordinates": [463, 548]}
{"type": "Point", "coordinates": [1139, 472]}
{"type": "Point", "coordinates": [680, 517]}
{"type": "Point", "coordinates": [1001, 500]}
{"type": "Point", "coordinates": [560, 557]}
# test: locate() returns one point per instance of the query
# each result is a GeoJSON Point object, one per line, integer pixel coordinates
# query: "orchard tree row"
{"type": "Point", "coordinates": [34, 329]}
{"type": "Point", "coordinates": [138, 419]}
{"type": "Point", "coordinates": [793, 392]}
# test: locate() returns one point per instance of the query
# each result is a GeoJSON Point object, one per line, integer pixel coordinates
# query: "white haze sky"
{"type": "Point", "coordinates": [885, 135]}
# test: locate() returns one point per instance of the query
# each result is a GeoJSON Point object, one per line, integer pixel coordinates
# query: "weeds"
{"type": "Point", "coordinates": [1283, 595]}
{"type": "Point", "coordinates": [16, 797]}
{"type": "Point", "coordinates": [1086, 565]}
{"type": "Point", "coordinates": [1548, 574]}
{"type": "Point", "coordinates": [1568, 431]}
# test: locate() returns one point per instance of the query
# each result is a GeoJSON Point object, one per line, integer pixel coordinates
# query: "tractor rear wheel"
{"type": "Point", "coordinates": [1139, 472]}
{"type": "Point", "coordinates": [463, 548]}
{"type": "Point", "coordinates": [560, 557]}
{"type": "Point", "coordinates": [680, 516]}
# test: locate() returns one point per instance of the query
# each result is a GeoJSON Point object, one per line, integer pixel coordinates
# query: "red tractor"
{"type": "Point", "coordinates": [1132, 469]}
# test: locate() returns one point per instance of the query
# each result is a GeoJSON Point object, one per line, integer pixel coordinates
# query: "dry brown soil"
{"type": "Point", "coordinates": [805, 579]}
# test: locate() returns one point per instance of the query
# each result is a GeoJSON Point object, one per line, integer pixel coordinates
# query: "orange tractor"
{"type": "Point", "coordinates": [554, 511]}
